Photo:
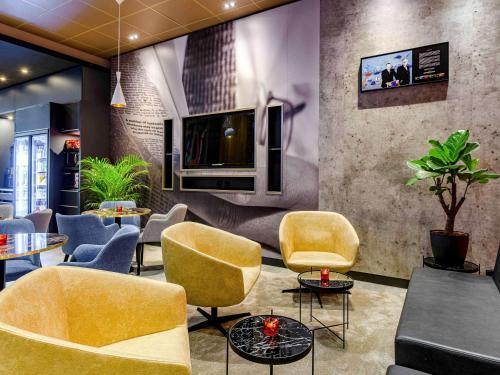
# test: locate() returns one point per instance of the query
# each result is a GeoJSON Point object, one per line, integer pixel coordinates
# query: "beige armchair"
{"type": "Point", "coordinates": [216, 268]}
{"type": "Point", "coordinates": [76, 321]}
{"type": "Point", "coordinates": [317, 239]}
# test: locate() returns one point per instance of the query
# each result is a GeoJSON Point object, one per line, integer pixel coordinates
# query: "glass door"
{"type": "Point", "coordinates": [21, 175]}
{"type": "Point", "coordinates": [39, 172]}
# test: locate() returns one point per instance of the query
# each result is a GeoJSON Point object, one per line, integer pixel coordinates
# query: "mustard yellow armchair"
{"type": "Point", "coordinates": [75, 321]}
{"type": "Point", "coordinates": [216, 268]}
{"type": "Point", "coordinates": [317, 239]}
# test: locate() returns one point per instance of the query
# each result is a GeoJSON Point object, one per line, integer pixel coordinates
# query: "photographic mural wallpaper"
{"type": "Point", "coordinates": [266, 59]}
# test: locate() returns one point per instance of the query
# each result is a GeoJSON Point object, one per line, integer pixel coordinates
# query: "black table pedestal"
{"type": "Point", "coordinates": [2, 274]}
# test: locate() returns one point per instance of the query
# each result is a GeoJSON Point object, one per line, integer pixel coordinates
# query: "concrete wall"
{"type": "Point", "coordinates": [365, 139]}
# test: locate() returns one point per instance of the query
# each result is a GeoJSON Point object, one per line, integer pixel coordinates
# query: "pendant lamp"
{"type": "Point", "coordinates": [118, 100]}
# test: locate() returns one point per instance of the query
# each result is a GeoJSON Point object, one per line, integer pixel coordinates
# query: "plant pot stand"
{"type": "Point", "coordinates": [467, 267]}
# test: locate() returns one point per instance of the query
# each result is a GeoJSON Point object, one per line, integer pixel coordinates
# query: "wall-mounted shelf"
{"type": "Point", "coordinates": [168, 156]}
{"type": "Point", "coordinates": [274, 149]}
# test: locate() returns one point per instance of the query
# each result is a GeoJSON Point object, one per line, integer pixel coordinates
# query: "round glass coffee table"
{"type": "Point", "coordinates": [23, 244]}
{"type": "Point", "coordinates": [338, 283]}
{"type": "Point", "coordinates": [292, 342]}
{"type": "Point", "coordinates": [111, 212]}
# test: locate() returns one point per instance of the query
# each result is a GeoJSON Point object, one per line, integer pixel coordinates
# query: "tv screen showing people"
{"type": "Point", "coordinates": [404, 68]}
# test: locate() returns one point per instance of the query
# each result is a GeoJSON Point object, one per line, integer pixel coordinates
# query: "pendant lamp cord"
{"type": "Point", "coordinates": [119, 33]}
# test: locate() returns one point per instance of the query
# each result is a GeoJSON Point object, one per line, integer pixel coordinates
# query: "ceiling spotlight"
{"type": "Point", "coordinates": [229, 5]}
{"type": "Point", "coordinates": [3, 79]}
{"type": "Point", "coordinates": [10, 117]}
{"type": "Point", "coordinates": [24, 70]}
{"type": "Point", "coordinates": [133, 37]}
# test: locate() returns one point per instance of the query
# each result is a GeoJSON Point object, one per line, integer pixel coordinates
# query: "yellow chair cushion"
{"type": "Point", "coordinates": [302, 261]}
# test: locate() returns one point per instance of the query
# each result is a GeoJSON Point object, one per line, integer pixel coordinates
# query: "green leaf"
{"type": "Point", "coordinates": [422, 175]}
{"type": "Point", "coordinates": [411, 181]}
{"type": "Point", "coordinates": [436, 144]}
{"type": "Point", "coordinates": [455, 144]}
{"type": "Point", "coordinates": [440, 155]}
{"type": "Point", "coordinates": [417, 165]}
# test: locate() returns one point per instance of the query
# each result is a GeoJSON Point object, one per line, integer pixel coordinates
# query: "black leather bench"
{"type": "Point", "coordinates": [450, 323]}
{"type": "Point", "coordinates": [398, 370]}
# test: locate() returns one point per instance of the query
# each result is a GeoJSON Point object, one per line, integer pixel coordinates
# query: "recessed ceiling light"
{"type": "Point", "coordinates": [133, 37]}
{"type": "Point", "coordinates": [229, 4]}
{"type": "Point", "coordinates": [3, 79]}
{"type": "Point", "coordinates": [10, 117]}
{"type": "Point", "coordinates": [24, 70]}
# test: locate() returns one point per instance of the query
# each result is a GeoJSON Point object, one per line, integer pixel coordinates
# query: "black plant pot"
{"type": "Point", "coordinates": [449, 248]}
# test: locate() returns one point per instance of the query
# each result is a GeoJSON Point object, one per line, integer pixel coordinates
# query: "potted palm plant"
{"type": "Point", "coordinates": [102, 180]}
{"type": "Point", "coordinates": [452, 170]}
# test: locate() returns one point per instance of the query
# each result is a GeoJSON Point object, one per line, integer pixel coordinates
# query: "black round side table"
{"type": "Point", "coordinates": [338, 283]}
{"type": "Point", "coordinates": [468, 267]}
{"type": "Point", "coordinates": [292, 343]}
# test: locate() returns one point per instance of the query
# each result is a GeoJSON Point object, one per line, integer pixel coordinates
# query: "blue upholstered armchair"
{"type": "Point", "coordinates": [136, 220]}
{"type": "Point", "coordinates": [19, 266]}
{"type": "Point", "coordinates": [83, 229]}
{"type": "Point", "coordinates": [114, 256]}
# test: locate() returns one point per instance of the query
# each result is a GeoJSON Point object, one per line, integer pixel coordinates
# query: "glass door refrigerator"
{"type": "Point", "coordinates": [31, 153]}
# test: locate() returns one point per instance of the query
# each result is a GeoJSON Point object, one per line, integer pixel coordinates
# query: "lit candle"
{"type": "Point", "coordinates": [325, 276]}
{"type": "Point", "coordinates": [119, 209]}
{"type": "Point", "coordinates": [3, 239]}
{"type": "Point", "coordinates": [271, 326]}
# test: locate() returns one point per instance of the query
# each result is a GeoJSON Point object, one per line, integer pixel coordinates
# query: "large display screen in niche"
{"type": "Point", "coordinates": [219, 140]}
{"type": "Point", "coordinates": [405, 68]}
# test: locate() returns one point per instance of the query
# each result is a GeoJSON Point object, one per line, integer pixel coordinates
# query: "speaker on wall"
{"type": "Point", "coordinates": [236, 184]}
{"type": "Point", "coordinates": [168, 160]}
{"type": "Point", "coordinates": [274, 149]}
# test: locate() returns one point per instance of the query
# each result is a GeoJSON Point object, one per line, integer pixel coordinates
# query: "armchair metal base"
{"type": "Point", "coordinates": [304, 290]}
{"type": "Point", "coordinates": [139, 258]}
{"type": "Point", "coordinates": [214, 320]}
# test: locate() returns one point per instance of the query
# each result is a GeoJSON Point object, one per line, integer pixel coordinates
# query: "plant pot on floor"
{"type": "Point", "coordinates": [449, 248]}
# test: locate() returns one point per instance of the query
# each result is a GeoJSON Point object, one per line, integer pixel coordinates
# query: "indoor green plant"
{"type": "Point", "coordinates": [102, 180]}
{"type": "Point", "coordinates": [453, 170]}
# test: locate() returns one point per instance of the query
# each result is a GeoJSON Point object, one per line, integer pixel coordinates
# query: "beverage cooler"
{"type": "Point", "coordinates": [31, 172]}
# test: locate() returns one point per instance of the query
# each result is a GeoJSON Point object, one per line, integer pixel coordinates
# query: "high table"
{"type": "Point", "coordinates": [111, 212]}
{"type": "Point", "coordinates": [23, 244]}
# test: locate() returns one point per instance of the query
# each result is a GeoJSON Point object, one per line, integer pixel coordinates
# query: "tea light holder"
{"type": "Point", "coordinates": [3, 239]}
{"type": "Point", "coordinates": [271, 325]}
{"type": "Point", "coordinates": [325, 276]}
{"type": "Point", "coordinates": [119, 209]}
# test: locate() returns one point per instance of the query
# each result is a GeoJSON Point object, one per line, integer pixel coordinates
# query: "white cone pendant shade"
{"type": "Point", "coordinates": [118, 100]}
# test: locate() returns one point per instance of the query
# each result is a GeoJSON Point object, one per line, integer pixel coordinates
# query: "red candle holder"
{"type": "Point", "coordinates": [325, 276]}
{"type": "Point", "coordinates": [3, 239]}
{"type": "Point", "coordinates": [271, 326]}
{"type": "Point", "coordinates": [119, 209]}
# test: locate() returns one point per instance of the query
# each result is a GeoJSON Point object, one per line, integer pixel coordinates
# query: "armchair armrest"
{"type": "Point", "coordinates": [110, 230]}
{"type": "Point", "coordinates": [86, 252]}
{"type": "Point", "coordinates": [122, 306]}
{"type": "Point", "coordinates": [152, 230]}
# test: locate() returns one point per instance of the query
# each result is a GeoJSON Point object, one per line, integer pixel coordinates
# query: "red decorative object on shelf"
{"type": "Point", "coordinates": [271, 326]}
{"type": "Point", "coordinates": [119, 209]}
{"type": "Point", "coordinates": [72, 144]}
{"type": "Point", "coordinates": [3, 239]}
{"type": "Point", "coordinates": [325, 276]}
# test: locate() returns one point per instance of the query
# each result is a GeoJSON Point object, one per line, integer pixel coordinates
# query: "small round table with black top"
{"type": "Point", "coordinates": [338, 283]}
{"type": "Point", "coordinates": [292, 343]}
{"type": "Point", "coordinates": [467, 267]}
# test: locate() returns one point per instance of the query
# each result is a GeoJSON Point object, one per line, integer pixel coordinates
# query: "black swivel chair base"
{"type": "Point", "coordinates": [214, 320]}
{"type": "Point", "coordinates": [304, 290]}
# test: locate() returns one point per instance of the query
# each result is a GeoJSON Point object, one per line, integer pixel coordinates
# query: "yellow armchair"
{"type": "Point", "coordinates": [216, 268]}
{"type": "Point", "coordinates": [67, 320]}
{"type": "Point", "coordinates": [319, 240]}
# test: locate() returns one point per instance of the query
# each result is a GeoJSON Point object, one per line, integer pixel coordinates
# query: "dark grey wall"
{"type": "Point", "coordinates": [62, 87]}
{"type": "Point", "coordinates": [6, 139]}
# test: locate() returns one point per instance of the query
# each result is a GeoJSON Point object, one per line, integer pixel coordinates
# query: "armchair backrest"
{"type": "Point", "coordinates": [81, 229]}
{"type": "Point", "coordinates": [158, 223]}
{"type": "Point", "coordinates": [318, 231]}
{"type": "Point", "coordinates": [6, 211]}
{"type": "Point", "coordinates": [41, 220]}
{"type": "Point", "coordinates": [117, 254]}
{"type": "Point", "coordinates": [14, 226]}
{"type": "Point", "coordinates": [136, 220]}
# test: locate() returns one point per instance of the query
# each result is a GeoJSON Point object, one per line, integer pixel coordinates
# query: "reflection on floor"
{"type": "Point", "coordinates": [374, 315]}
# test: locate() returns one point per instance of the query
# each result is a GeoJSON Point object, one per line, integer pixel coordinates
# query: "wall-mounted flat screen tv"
{"type": "Point", "coordinates": [220, 140]}
{"type": "Point", "coordinates": [404, 68]}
